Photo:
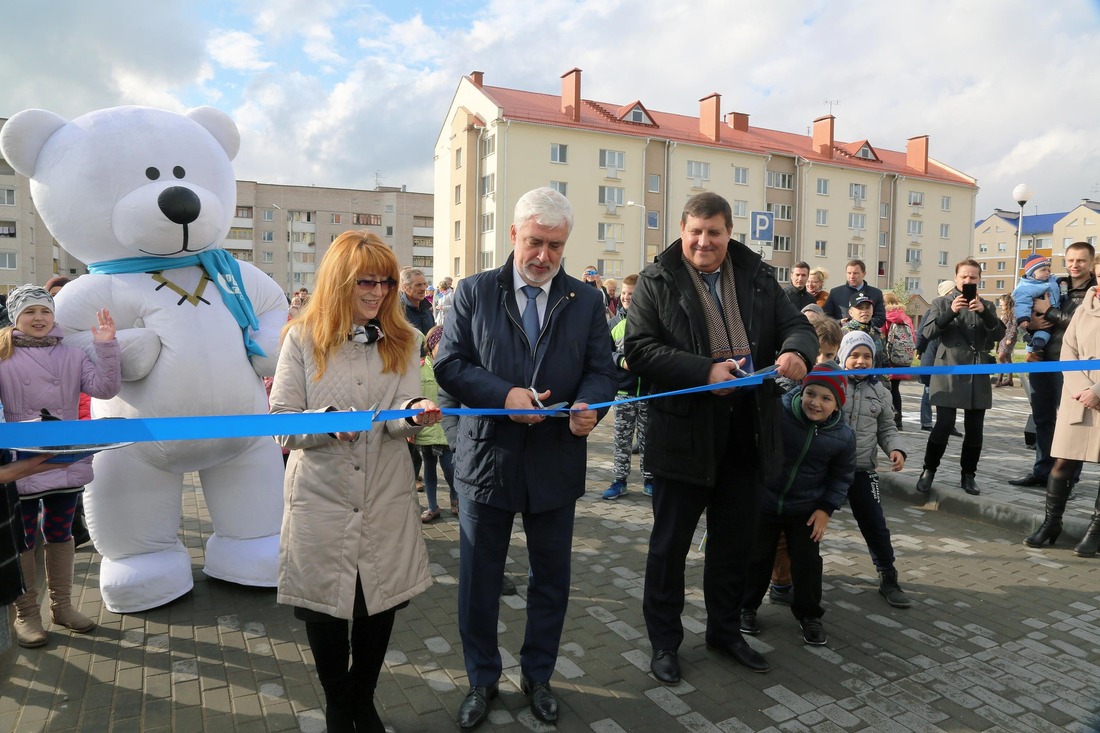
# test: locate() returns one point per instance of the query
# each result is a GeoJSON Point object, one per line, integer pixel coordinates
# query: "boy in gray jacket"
{"type": "Point", "coordinates": [870, 415]}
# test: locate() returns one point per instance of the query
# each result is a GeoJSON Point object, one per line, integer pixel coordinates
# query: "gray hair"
{"type": "Point", "coordinates": [546, 206]}
{"type": "Point", "coordinates": [407, 275]}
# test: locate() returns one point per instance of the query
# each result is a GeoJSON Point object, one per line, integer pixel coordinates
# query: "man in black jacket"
{"type": "Point", "coordinates": [836, 306]}
{"type": "Point", "coordinates": [796, 292]}
{"type": "Point", "coordinates": [706, 307]}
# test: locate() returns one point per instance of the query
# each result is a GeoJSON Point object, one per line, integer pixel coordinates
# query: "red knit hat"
{"type": "Point", "coordinates": [826, 376]}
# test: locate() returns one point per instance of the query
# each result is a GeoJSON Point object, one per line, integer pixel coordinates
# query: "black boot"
{"type": "Point", "coordinates": [889, 589]}
{"type": "Point", "coordinates": [924, 483]}
{"type": "Point", "coordinates": [968, 461]}
{"type": "Point", "coordinates": [969, 485]}
{"type": "Point", "coordinates": [1057, 491]}
{"type": "Point", "coordinates": [1090, 543]}
{"type": "Point", "coordinates": [933, 452]}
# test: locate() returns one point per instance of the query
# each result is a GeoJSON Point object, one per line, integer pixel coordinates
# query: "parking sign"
{"type": "Point", "coordinates": [763, 226]}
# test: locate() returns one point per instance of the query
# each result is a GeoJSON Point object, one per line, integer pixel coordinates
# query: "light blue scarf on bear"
{"type": "Point", "coordinates": [218, 264]}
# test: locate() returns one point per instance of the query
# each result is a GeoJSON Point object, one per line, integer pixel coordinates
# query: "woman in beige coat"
{"type": "Point", "coordinates": [351, 547]}
{"type": "Point", "coordinates": [1077, 432]}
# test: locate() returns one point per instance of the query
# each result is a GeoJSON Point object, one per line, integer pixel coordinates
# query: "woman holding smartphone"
{"type": "Point", "coordinates": [968, 329]}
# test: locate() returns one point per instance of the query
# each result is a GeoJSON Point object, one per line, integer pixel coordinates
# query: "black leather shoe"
{"type": "Point", "coordinates": [544, 704]}
{"type": "Point", "coordinates": [665, 666]}
{"type": "Point", "coordinates": [924, 483]}
{"type": "Point", "coordinates": [743, 654]}
{"type": "Point", "coordinates": [507, 587]}
{"type": "Point", "coordinates": [1029, 479]}
{"type": "Point", "coordinates": [475, 708]}
{"type": "Point", "coordinates": [968, 484]}
{"type": "Point", "coordinates": [748, 623]}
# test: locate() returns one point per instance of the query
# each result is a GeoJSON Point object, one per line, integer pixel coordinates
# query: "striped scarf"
{"type": "Point", "coordinates": [728, 337]}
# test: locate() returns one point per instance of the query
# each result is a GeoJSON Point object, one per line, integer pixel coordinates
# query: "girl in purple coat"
{"type": "Point", "coordinates": [38, 372]}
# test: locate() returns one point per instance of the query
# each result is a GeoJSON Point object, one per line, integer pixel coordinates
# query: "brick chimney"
{"type": "Point", "coordinates": [738, 121]}
{"type": "Point", "coordinates": [710, 119]}
{"type": "Point", "coordinates": [571, 94]}
{"type": "Point", "coordinates": [477, 77]}
{"type": "Point", "coordinates": [916, 153]}
{"type": "Point", "coordinates": [823, 135]}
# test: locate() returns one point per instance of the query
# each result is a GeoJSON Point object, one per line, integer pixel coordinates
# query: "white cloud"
{"type": "Point", "coordinates": [237, 50]}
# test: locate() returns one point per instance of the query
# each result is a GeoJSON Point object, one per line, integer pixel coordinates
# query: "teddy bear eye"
{"type": "Point", "coordinates": [179, 172]}
{"type": "Point", "coordinates": [152, 173]}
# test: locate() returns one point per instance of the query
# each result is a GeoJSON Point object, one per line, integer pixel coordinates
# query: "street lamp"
{"type": "Point", "coordinates": [1021, 194]}
{"type": "Point", "coordinates": [645, 222]}
{"type": "Point", "coordinates": [289, 252]}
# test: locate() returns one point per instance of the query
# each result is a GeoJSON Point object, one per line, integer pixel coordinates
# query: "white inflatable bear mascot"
{"type": "Point", "coordinates": [146, 198]}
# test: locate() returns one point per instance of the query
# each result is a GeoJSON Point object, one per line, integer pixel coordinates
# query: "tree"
{"type": "Point", "coordinates": [899, 290]}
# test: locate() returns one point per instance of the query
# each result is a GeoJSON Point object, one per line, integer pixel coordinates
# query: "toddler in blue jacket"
{"type": "Point", "coordinates": [1036, 283]}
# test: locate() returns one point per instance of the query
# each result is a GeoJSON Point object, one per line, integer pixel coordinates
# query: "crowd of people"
{"type": "Point", "coordinates": [769, 463]}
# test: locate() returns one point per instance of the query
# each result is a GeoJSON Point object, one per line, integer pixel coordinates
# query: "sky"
{"type": "Point", "coordinates": [353, 94]}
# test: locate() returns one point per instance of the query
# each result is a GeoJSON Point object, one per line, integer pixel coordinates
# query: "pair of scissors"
{"type": "Point", "coordinates": [561, 408]}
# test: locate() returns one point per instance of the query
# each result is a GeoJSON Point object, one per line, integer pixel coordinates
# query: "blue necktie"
{"type": "Point", "coordinates": [531, 314]}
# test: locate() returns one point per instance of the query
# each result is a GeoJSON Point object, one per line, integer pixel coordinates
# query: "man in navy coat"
{"type": "Point", "coordinates": [517, 336]}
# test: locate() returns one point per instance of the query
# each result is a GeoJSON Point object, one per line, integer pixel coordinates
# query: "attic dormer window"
{"type": "Point", "coordinates": [865, 153]}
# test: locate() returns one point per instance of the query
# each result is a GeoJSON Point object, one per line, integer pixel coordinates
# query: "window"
{"type": "Point", "coordinates": [488, 184]}
{"type": "Point", "coordinates": [699, 169]}
{"type": "Point", "coordinates": [884, 211]}
{"type": "Point", "coordinates": [423, 261]}
{"type": "Point", "coordinates": [782, 211]}
{"type": "Point", "coordinates": [982, 266]}
{"type": "Point", "coordinates": [912, 256]}
{"type": "Point", "coordinates": [884, 239]}
{"type": "Point", "coordinates": [741, 176]}
{"type": "Point", "coordinates": [822, 217]}
{"type": "Point", "coordinates": [610, 268]}
{"type": "Point", "coordinates": [487, 222]}
{"type": "Point", "coordinates": [857, 192]}
{"type": "Point", "coordinates": [1000, 285]}
{"type": "Point", "coordinates": [558, 152]}
{"type": "Point", "coordinates": [945, 231]}
{"type": "Point", "coordinates": [652, 219]}
{"type": "Point", "coordinates": [458, 158]}
{"type": "Point", "coordinates": [653, 183]}
{"type": "Point", "coordinates": [609, 232]}
{"type": "Point", "coordinates": [488, 145]}
{"type": "Point", "coordinates": [9, 260]}
{"type": "Point", "coordinates": [983, 248]}
{"type": "Point", "coordinates": [740, 208]}
{"type": "Point", "coordinates": [1001, 247]}
{"type": "Point", "coordinates": [945, 203]}
{"type": "Point", "coordinates": [335, 218]}
{"type": "Point", "coordinates": [782, 243]}
{"type": "Point", "coordinates": [912, 284]}
{"type": "Point", "coordinates": [783, 274]}
{"type": "Point", "coordinates": [239, 233]}
{"type": "Point", "coordinates": [304, 237]}
{"type": "Point", "coordinates": [942, 258]}
{"type": "Point", "coordinates": [780, 180]}
{"type": "Point", "coordinates": [374, 220]}
{"type": "Point", "coordinates": [916, 198]}
{"type": "Point", "coordinates": [914, 227]}
{"type": "Point", "coordinates": [637, 115]}
{"type": "Point", "coordinates": [243, 212]}
{"type": "Point", "coordinates": [389, 231]}
{"type": "Point", "coordinates": [560, 187]}
{"type": "Point", "coordinates": [855, 251]}
{"type": "Point", "coordinates": [267, 257]}
{"type": "Point", "coordinates": [305, 257]}
{"type": "Point", "coordinates": [882, 268]}
{"type": "Point", "coordinates": [306, 216]}
{"type": "Point", "coordinates": [981, 285]}
{"type": "Point", "coordinates": [268, 215]}
{"type": "Point", "coordinates": [458, 266]}
{"type": "Point", "coordinates": [857, 221]}
{"type": "Point", "coordinates": [486, 261]}
{"type": "Point", "coordinates": [267, 236]}
{"type": "Point", "coordinates": [458, 230]}
{"type": "Point", "coordinates": [611, 195]}
{"type": "Point", "coordinates": [423, 221]}
{"type": "Point", "coordinates": [612, 161]}
{"type": "Point", "coordinates": [1001, 265]}
{"type": "Point", "coordinates": [458, 194]}
{"type": "Point", "coordinates": [822, 186]}
{"type": "Point", "coordinates": [821, 248]}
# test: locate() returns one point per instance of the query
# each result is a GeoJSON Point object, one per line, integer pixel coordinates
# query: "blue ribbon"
{"type": "Point", "coordinates": [90, 432]}
{"type": "Point", "coordinates": [218, 264]}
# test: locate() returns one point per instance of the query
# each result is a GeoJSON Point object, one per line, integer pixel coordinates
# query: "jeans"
{"type": "Point", "coordinates": [431, 479]}
{"type": "Point", "coordinates": [926, 418]}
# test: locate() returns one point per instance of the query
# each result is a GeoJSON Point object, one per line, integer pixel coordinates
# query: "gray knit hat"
{"type": "Point", "coordinates": [24, 296]}
{"type": "Point", "coordinates": [851, 340]}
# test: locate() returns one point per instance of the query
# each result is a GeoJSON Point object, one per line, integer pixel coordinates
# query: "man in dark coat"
{"type": "Point", "coordinates": [705, 307]}
{"type": "Point", "coordinates": [418, 309]}
{"type": "Point", "coordinates": [516, 336]}
{"type": "Point", "coordinates": [836, 306]}
{"type": "Point", "coordinates": [796, 292]}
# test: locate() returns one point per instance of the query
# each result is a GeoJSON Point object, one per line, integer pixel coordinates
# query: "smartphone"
{"type": "Point", "coordinates": [970, 291]}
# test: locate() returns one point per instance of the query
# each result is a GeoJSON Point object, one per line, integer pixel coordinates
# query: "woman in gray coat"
{"type": "Point", "coordinates": [350, 547]}
{"type": "Point", "coordinates": [968, 329]}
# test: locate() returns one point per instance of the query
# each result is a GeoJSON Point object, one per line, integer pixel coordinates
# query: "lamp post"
{"type": "Point", "coordinates": [645, 222]}
{"type": "Point", "coordinates": [1021, 194]}
{"type": "Point", "coordinates": [289, 252]}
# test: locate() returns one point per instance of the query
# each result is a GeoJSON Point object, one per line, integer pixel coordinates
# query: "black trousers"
{"type": "Point", "coordinates": [805, 563]}
{"type": "Point", "coordinates": [973, 424]}
{"type": "Point", "coordinates": [866, 505]}
{"type": "Point", "coordinates": [730, 505]}
{"type": "Point", "coordinates": [349, 691]}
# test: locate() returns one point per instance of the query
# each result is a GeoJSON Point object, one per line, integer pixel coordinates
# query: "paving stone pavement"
{"type": "Point", "coordinates": [1000, 637]}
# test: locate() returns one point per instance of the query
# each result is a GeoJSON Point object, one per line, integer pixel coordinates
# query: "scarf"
{"type": "Point", "coordinates": [728, 338]}
{"type": "Point", "coordinates": [31, 341]}
{"type": "Point", "coordinates": [367, 334]}
{"type": "Point", "coordinates": [222, 269]}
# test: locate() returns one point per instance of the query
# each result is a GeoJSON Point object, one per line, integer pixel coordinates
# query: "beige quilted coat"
{"type": "Point", "coordinates": [1077, 432]}
{"type": "Point", "coordinates": [348, 506]}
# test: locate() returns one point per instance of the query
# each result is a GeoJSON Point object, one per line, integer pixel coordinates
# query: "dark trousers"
{"type": "Point", "coordinates": [349, 691]}
{"type": "Point", "coordinates": [866, 506]}
{"type": "Point", "coordinates": [730, 505]}
{"type": "Point", "coordinates": [484, 535]}
{"type": "Point", "coordinates": [1046, 391]}
{"type": "Point", "coordinates": [973, 423]}
{"type": "Point", "coordinates": [805, 563]}
{"type": "Point", "coordinates": [895, 395]}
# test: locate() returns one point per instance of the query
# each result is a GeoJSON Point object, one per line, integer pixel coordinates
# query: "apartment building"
{"type": "Point", "coordinates": [995, 242]}
{"type": "Point", "coordinates": [628, 170]}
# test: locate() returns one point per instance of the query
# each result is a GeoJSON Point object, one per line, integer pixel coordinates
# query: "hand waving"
{"type": "Point", "coordinates": [106, 330]}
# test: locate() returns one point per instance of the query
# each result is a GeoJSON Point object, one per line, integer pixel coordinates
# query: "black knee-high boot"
{"type": "Point", "coordinates": [968, 462]}
{"type": "Point", "coordinates": [1057, 492]}
{"type": "Point", "coordinates": [1090, 543]}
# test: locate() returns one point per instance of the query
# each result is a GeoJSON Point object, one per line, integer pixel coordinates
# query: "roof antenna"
{"type": "Point", "coordinates": [832, 103]}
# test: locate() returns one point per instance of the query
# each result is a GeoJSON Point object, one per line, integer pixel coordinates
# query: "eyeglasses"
{"type": "Point", "coordinates": [367, 284]}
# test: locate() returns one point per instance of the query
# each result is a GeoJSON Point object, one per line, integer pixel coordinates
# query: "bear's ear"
{"type": "Point", "coordinates": [24, 135]}
{"type": "Point", "coordinates": [218, 124]}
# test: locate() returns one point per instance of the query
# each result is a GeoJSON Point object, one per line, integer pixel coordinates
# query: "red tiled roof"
{"type": "Point", "coordinates": [545, 109]}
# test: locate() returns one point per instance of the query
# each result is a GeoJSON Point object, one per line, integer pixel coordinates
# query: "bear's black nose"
{"type": "Point", "coordinates": [181, 205]}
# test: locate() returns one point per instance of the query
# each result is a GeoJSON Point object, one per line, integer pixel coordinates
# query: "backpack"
{"type": "Point", "coordinates": [901, 347]}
